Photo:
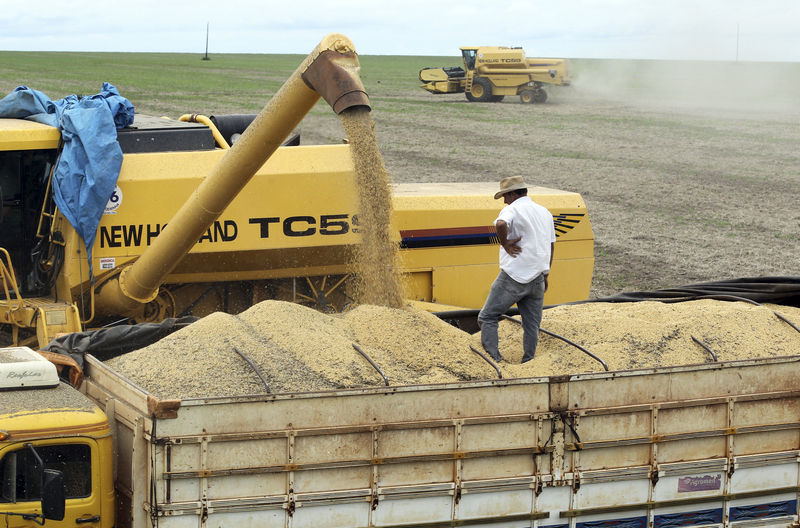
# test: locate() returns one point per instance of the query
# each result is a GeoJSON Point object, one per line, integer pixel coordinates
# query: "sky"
{"type": "Point", "coordinates": [720, 30]}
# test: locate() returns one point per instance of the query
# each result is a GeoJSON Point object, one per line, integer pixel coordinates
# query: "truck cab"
{"type": "Point", "coordinates": [55, 448]}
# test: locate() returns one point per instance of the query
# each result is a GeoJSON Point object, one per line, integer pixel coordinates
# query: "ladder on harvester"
{"type": "Point", "coordinates": [43, 316]}
{"type": "Point", "coordinates": [468, 86]}
{"type": "Point", "coordinates": [13, 303]}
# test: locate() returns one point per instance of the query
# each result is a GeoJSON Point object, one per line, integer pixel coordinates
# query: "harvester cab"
{"type": "Point", "coordinates": [469, 54]}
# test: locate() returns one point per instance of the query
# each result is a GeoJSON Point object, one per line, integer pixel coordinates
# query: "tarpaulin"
{"type": "Point", "coordinates": [87, 169]}
{"type": "Point", "coordinates": [107, 343]}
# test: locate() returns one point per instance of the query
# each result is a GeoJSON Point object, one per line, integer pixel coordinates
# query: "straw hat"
{"type": "Point", "coordinates": [512, 183]}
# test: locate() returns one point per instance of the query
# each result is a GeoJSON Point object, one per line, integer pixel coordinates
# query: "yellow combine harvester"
{"type": "Point", "coordinates": [288, 236]}
{"type": "Point", "coordinates": [491, 72]}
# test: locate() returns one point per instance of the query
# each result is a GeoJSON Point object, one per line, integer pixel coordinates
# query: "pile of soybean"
{"type": "Point", "coordinates": [298, 349]}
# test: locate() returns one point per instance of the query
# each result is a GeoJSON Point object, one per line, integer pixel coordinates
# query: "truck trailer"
{"type": "Point", "coordinates": [697, 445]}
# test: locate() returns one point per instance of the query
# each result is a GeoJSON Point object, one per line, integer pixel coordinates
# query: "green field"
{"type": "Point", "coordinates": [171, 84]}
{"type": "Point", "coordinates": [690, 170]}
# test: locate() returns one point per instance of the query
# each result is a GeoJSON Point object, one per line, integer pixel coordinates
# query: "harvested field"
{"type": "Point", "coordinates": [690, 171]}
{"type": "Point", "coordinates": [299, 349]}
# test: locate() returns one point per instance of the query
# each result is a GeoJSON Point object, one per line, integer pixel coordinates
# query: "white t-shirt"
{"type": "Point", "coordinates": [534, 224]}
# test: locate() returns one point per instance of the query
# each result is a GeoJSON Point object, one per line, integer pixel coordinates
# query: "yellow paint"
{"type": "Point", "coordinates": [58, 426]}
{"type": "Point", "coordinates": [20, 134]}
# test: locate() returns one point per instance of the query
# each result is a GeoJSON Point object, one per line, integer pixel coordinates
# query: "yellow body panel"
{"type": "Point", "coordinates": [295, 214]}
{"type": "Point", "coordinates": [312, 189]}
{"type": "Point", "coordinates": [19, 134]}
{"type": "Point", "coordinates": [504, 65]}
{"type": "Point", "coordinates": [461, 274]}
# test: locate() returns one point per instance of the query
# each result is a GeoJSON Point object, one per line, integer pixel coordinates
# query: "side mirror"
{"type": "Point", "coordinates": [53, 497]}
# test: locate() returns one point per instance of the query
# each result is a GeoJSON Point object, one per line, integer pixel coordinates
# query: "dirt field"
{"type": "Point", "coordinates": [691, 172]}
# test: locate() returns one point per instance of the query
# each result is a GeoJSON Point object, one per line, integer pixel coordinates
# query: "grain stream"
{"type": "Point", "coordinates": [300, 349]}
{"type": "Point", "coordinates": [375, 259]}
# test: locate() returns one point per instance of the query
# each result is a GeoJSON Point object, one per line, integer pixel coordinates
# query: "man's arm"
{"type": "Point", "coordinates": [510, 246]}
{"type": "Point", "coordinates": [547, 275]}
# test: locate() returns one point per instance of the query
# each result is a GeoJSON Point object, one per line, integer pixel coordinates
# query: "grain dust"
{"type": "Point", "coordinates": [21, 402]}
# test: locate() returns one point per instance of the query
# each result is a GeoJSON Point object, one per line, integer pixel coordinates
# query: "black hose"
{"type": "Point", "coordinates": [785, 320]}
{"type": "Point", "coordinates": [358, 349]}
{"type": "Point", "coordinates": [706, 347]}
{"type": "Point", "coordinates": [576, 345]}
{"type": "Point", "coordinates": [255, 368]}
{"type": "Point", "coordinates": [489, 361]}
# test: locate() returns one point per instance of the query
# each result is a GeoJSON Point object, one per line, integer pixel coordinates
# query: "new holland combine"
{"type": "Point", "coordinates": [490, 73]}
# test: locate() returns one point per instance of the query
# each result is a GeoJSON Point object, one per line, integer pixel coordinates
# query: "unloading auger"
{"type": "Point", "coordinates": [330, 72]}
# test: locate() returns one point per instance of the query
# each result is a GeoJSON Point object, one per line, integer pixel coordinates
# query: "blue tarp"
{"type": "Point", "coordinates": [87, 169]}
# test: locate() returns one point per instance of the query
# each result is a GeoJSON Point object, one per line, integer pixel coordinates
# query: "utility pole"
{"type": "Point", "coordinates": [737, 42]}
{"type": "Point", "coordinates": [206, 55]}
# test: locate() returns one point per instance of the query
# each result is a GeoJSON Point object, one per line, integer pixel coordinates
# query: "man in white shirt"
{"type": "Point", "coordinates": [527, 235]}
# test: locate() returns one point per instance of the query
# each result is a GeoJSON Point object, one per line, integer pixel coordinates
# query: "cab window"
{"type": "Point", "coordinates": [21, 476]}
{"type": "Point", "coordinates": [469, 58]}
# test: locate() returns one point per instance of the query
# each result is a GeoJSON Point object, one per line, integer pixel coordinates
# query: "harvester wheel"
{"type": "Point", "coordinates": [326, 293]}
{"type": "Point", "coordinates": [481, 91]}
{"type": "Point", "coordinates": [539, 96]}
{"type": "Point", "coordinates": [527, 96]}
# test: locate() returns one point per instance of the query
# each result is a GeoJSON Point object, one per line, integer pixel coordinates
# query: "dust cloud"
{"type": "Point", "coordinates": [715, 87]}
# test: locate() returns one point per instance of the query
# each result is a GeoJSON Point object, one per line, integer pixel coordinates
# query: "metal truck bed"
{"type": "Point", "coordinates": [701, 445]}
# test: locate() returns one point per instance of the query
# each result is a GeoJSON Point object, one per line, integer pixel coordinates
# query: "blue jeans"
{"type": "Point", "coordinates": [529, 298]}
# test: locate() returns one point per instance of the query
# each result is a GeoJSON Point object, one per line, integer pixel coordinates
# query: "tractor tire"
{"type": "Point", "coordinates": [481, 91]}
{"type": "Point", "coordinates": [527, 96]}
{"type": "Point", "coordinates": [539, 96]}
